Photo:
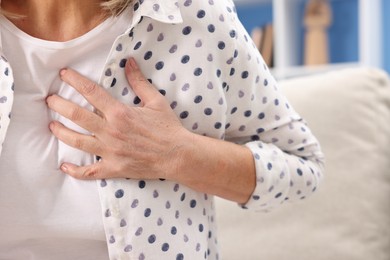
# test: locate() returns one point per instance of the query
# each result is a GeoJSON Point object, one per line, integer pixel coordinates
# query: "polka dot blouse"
{"type": "Point", "coordinates": [199, 56]}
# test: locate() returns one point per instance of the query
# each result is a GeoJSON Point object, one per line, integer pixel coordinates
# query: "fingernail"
{"type": "Point", "coordinates": [63, 71]}
{"type": "Point", "coordinates": [64, 167]}
{"type": "Point", "coordinates": [51, 126]}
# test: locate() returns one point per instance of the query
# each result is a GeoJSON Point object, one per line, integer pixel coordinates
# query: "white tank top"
{"type": "Point", "coordinates": [45, 214]}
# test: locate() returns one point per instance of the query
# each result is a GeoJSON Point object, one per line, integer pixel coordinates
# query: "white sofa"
{"type": "Point", "coordinates": [349, 216]}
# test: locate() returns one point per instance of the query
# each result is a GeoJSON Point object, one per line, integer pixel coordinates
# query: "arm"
{"type": "Point", "coordinates": [170, 151]}
{"type": "Point", "coordinates": [279, 160]}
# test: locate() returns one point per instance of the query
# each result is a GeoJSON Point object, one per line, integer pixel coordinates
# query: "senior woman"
{"type": "Point", "coordinates": [142, 157]}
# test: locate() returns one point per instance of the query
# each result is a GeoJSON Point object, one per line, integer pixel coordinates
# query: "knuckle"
{"type": "Point", "coordinates": [90, 173]}
{"type": "Point", "coordinates": [78, 143]}
{"type": "Point", "coordinates": [75, 114]}
{"type": "Point", "coordinates": [142, 80]}
{"type": "Point", "coordinates": [116, 151]}
{"type": "Point", "coordinates": [116, 134]}
{"type": "Point", "coordinates": [120, 111]}
{"type": "Point", "coordinates": [88, 87]}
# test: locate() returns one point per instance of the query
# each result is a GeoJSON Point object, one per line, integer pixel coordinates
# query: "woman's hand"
{"type": "Point", "coordinates": [149, 142]}
{"type": "Point", "coordinates": [133, 142]}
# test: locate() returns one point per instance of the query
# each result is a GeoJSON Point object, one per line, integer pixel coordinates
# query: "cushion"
{"type": "Point", "coordinates": [349, 216]}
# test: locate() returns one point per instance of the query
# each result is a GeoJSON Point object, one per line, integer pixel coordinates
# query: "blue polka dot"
{"type": "Point", "coordinates": [269, 166]}
{"type": "Point", "coordinates": [113, 83]}
{"type": "Point", "coordinates": [159, 65]}
{"type": "Point", "coordinates": [208, 111]}
{"type": "Point", "coordinates": [187, 30]}
{"type": "Point", "coordinates": [185, 59]}
{"type": "Point", "coordinates": [119, 193]}
{"type": "Point", "coordinates": [122, 64]}
{"type": "Point", "coordinates": [184, 114]}
{"type": "Point", "coordinates": [147, 212]}
{"type": "Point", "coordinates": [193, 203]}
{"type": "Point", "coordinates": [136, 6]}
{"type": "Point", "coordinates": [165, 247]}
{"type": "Point", "coordinates": [221, 45]}
{"type": "Point", "coordinates": [261, 115]}
{"type": "Point", "coordinates": [201, 227]}
{"type": "Point", "coordinates": [247, 113]}
{"type": "Point", "coordinates": [137, 46]}
{"type": "Point", "coordinates": [152, 239]}
{"type": "Point", "coordinates": [198, 99]}
{"type": "Point", "coordinates": [201, 14]}
{"type": "Point", "coordinates": [198, 72]}
{"type": "Point", "coordinates": [217, 125]}
{"type": "Point", "coordinates": [245, 74]}
{"type": "Point", "coordinates": [141, 184]}
{"type": "Point", "coordinates": [148, 55]}
{"type": "Point", "coordinates": [136, 100]}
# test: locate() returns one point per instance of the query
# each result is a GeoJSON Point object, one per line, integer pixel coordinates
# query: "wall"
{"type": "Point", "coordinates": [343, 33]}
{"type": "Point", "coordinates": [386, 34]}
{"type": "Point", "coordinates": [253, 15]}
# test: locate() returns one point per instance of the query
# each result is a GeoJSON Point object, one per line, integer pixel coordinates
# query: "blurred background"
{"type": "Point", "coordinates": [357, 33]}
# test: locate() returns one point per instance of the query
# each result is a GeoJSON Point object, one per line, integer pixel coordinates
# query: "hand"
{"type": "Point", "coordinates": [133, 142]}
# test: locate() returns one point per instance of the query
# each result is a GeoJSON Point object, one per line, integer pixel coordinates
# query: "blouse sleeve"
{"type": "Point", "coordinates": [288, 158]}
{"type": "Point", "coordinates": [218, 85]}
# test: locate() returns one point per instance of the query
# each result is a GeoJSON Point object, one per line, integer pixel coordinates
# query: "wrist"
{"type": "Point", "coordinates": [178, 159]}
{"type": "Point", "coordinates": [213, 166]}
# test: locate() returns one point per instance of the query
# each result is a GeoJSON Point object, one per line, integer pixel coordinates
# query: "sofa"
{"type": "Point", "coordinates": [348, 218]}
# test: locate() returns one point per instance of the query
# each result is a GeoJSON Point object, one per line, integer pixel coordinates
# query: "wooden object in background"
{"type": "Point", "coordinates": [267, 48]}
{"type": "Point", "coordinates": [263, 38]}
{"type": "Point", "coordinates": [318, 17]}
{"type": "Point", "coordinates": [257, 36]}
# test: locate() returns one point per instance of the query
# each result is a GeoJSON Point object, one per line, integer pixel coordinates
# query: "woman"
{"type": "Point", "coordinates": [214, 124]}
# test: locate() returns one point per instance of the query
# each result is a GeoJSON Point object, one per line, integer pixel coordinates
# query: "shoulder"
{"type": "Point", "coordinates": [216, 10]}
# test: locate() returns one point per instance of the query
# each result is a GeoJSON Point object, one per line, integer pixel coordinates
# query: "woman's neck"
{"type": "Point", "coordinates": [55, 20]}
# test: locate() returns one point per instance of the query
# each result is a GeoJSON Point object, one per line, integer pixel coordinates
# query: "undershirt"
{"type": "Point", "coordinates": [51, 215]}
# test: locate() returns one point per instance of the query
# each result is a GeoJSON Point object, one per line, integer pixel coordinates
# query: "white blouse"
{"type": "Point", "coordinates": [198, 54]}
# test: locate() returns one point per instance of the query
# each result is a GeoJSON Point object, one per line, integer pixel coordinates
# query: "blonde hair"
{"type": "Point", "coordinates": [114, 7]}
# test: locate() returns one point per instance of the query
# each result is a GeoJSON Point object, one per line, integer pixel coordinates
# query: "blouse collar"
{"type": "Point", "coordinates": [166, 11]}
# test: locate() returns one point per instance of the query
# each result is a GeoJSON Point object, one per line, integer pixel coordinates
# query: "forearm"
{"type": "Point", "coordinates": [216, 167]}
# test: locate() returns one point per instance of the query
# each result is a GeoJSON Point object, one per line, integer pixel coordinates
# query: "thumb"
{"type": "Point", "coordinates": [140, 85]}
{"type": "Point", "coordinates": [90, 172]}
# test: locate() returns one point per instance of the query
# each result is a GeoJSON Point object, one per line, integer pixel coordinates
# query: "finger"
{"type": "Point", "coordinates": [90, 172]}
{"type": "Point", "coordinates": [96, 95]}
{"type": "Point", "coordinates": [86, 143]}
{"type": "Point", "coordinates": [141, 86]}
{"type": "Point", "coordinates": [81, 116]}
